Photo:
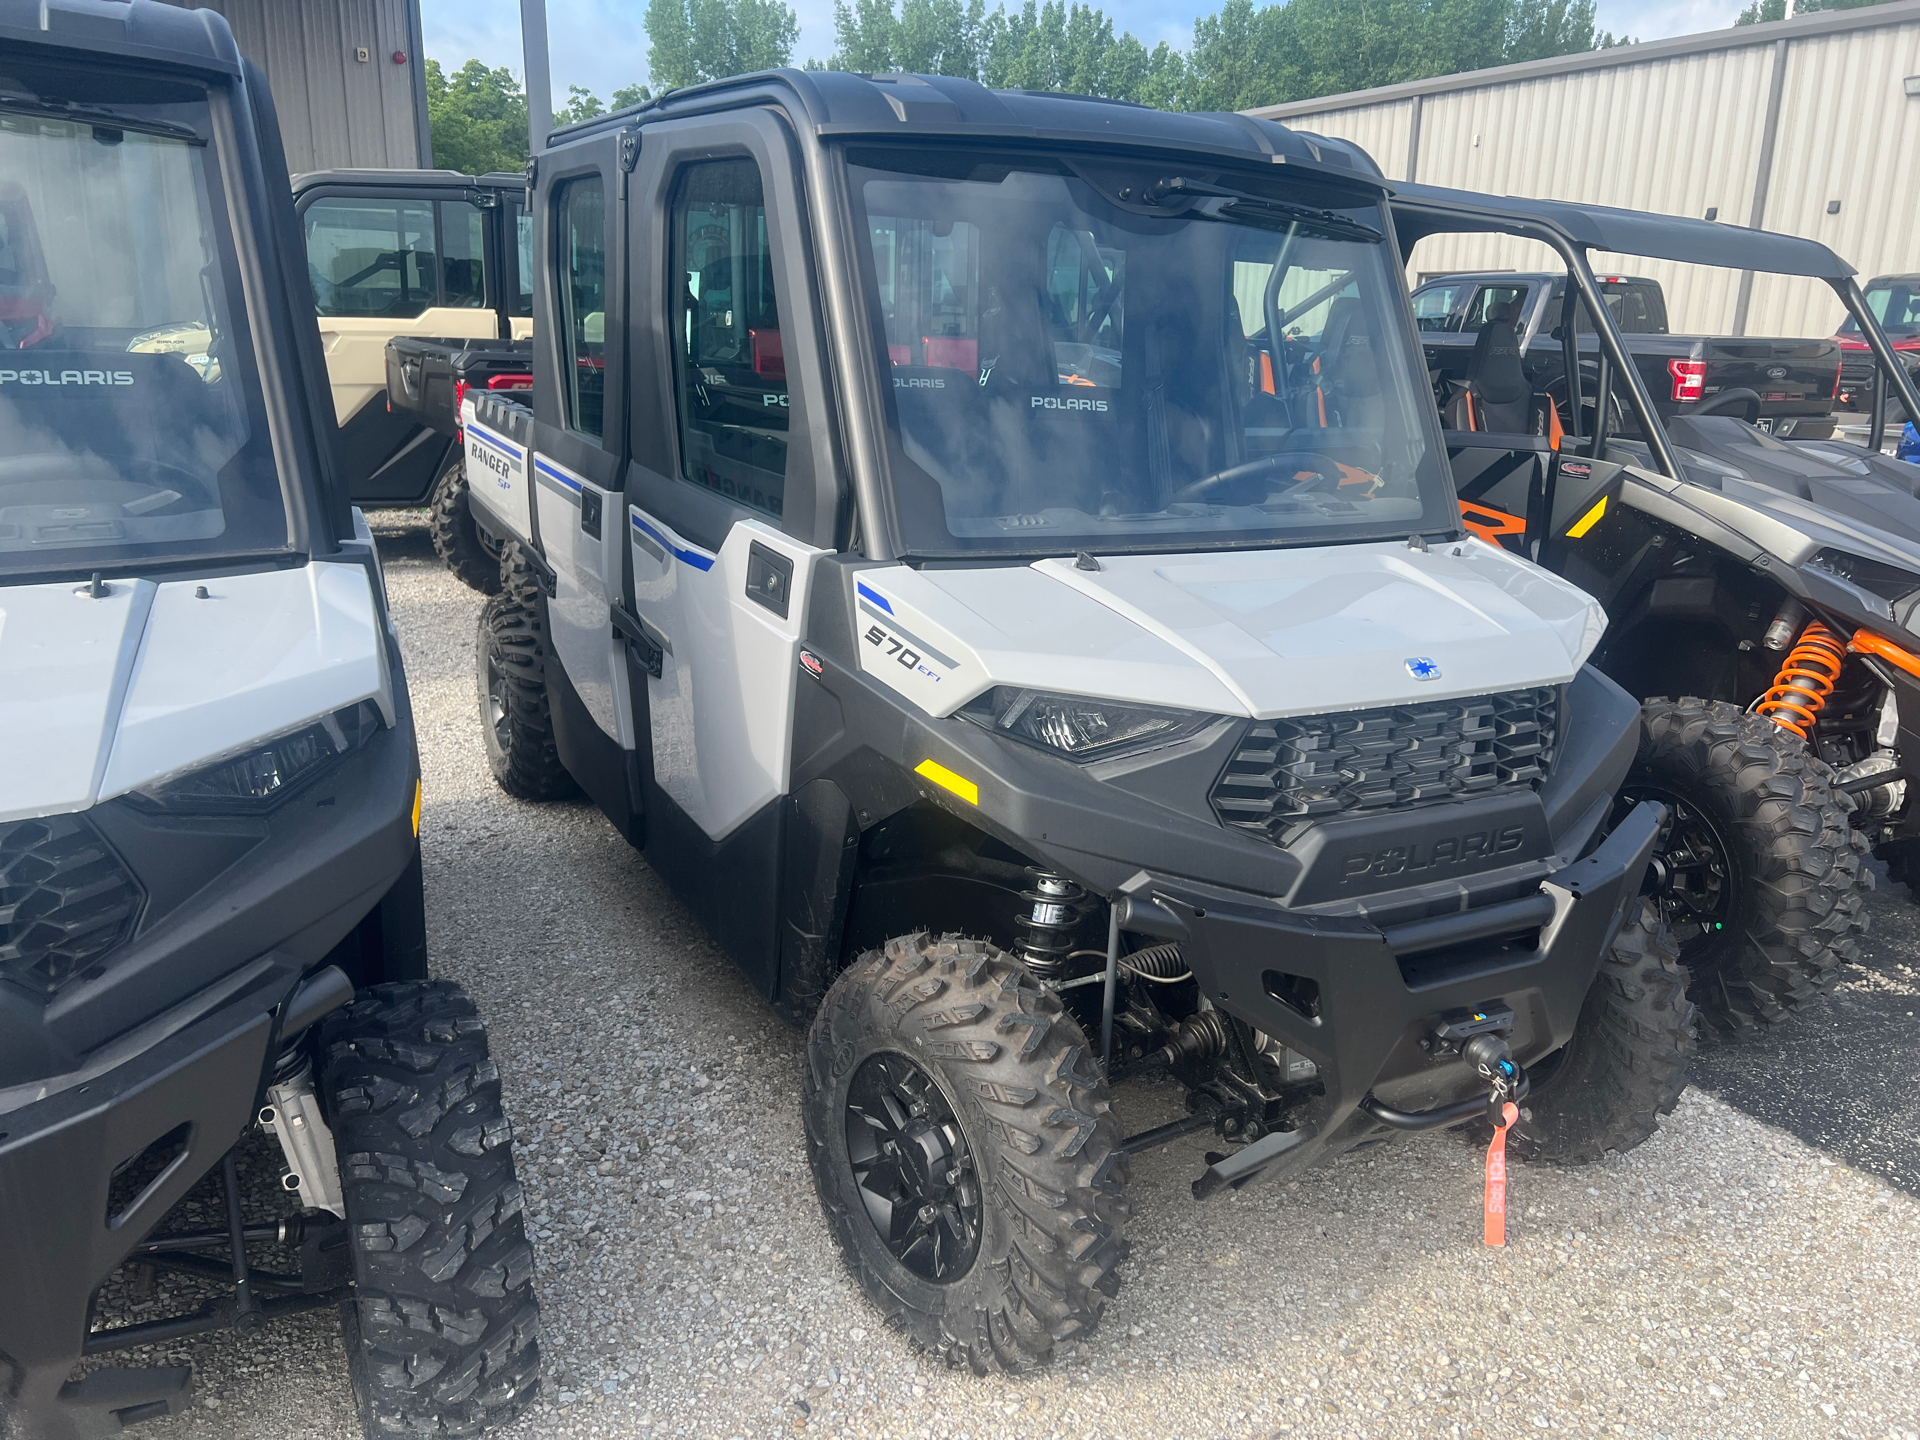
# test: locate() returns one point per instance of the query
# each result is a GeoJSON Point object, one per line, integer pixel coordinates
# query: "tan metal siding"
{"type": "Point", "coordinates": [335, 109]}
{"type": "Point", "coordinates": [1848, 132]}
{"type": "Point", "coordinates": [1678, 127]}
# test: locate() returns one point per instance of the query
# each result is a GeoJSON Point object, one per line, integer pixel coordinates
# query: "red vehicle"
{"type": "Point", "coordinates": [24, 287]}
{"type": "Point", "coordinates": [1895, 302]}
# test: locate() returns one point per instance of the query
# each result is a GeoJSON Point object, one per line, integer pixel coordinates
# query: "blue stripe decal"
{"type": "Point", "coordinates": [875, 596]}
{"type": "Point", "coordinates": [545, 469]}
{"type": "Point", "coordinates": [486, 439]}
{"type": "Point", "coordinates": [692, 557]}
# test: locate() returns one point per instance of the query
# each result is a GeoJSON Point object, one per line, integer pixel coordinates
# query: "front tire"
{"type": "Point", "coordinates": [965, 1151]}
{"type": "Point", "coordinates": [511, 655]}
{"type": "Point", "coordinates": [456, 538]}
{"type": "Point", "coordinates": [1766, 880]}
{"type": "Point", "coordinates": [441, 1331]}
{"type": "Point", "coordinates": [1626, 1064]}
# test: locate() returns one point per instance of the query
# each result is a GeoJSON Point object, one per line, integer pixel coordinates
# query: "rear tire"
{"type": "Point", "coordinates": [1768, 886]}
{"type": "Point", "coordinates": [1004, 1238]}
{"type": "Point", "coordinates": [441, 1333]}
{"type": "Point", "coordinates": [456, 538]}
{"type": "Point", "coordinates": [510, 665]}
{"type": "Point", "coordinates": [1626, 1064]}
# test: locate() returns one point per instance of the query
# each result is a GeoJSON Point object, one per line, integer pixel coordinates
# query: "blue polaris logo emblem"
{"type": "Point", "coordinates": [1421, 668]}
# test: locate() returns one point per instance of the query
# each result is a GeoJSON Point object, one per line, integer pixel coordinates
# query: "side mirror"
{"type": "Point", "coordinates": [1559, 332]}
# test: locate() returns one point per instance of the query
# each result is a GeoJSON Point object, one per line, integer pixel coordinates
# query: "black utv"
{"type": "Point", "coordinates": [1031, 689]}
{"type": "Point", "coordinates": [211, 911]}
{"type": "Point", "coordinates": [1769, 584]}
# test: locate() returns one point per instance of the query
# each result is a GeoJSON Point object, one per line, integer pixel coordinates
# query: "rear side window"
{"type": "Point", "coordinates": [394, 259]}
{"type": "Point", "coordinates": [519, 279]}
{"type": "Point", "coordinates": [580, 215]}
{"type": "Point", "coordinates": [1490, 302]}
{"type": "Point", "coordinates": [1433, 306]}
{"type": "Point", "coordinates": [730, 368]}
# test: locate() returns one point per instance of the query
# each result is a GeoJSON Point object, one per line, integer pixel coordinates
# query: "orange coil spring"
{"type": "Point", "coordinates": [1805, 680]}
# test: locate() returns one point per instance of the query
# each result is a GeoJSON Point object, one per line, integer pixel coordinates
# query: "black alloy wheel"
{"type": "Point", "coordinates": [913, 1167]}
{"type": "Point", "coordinates": [1696, 874]}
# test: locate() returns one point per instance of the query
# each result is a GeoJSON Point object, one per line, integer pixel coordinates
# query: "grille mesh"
{"type": "Point", "coordinates": [1286, 773]}
{"type": "Point", "coordinates": [65, 900]}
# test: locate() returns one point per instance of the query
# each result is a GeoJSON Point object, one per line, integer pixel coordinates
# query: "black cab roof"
{"type": "Point", "coordinates": [835, 105]}
{"type": "Point", "coordinates": [136, 29]}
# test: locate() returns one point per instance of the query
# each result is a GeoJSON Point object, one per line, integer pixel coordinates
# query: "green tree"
{"type": "Point", "coordinates": [478, 118]}
{"type": "Point", "coordinates": [582, 104]}
{"type": "Point", "coordinates": [689, 41]}
{"type": "Point", "coordinates": [1777, 9]}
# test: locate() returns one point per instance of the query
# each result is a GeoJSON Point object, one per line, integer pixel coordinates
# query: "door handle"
{"type": "Point", "coordinates": [649, 649]}
{"type": "Point", "coordinates": [590, 502]}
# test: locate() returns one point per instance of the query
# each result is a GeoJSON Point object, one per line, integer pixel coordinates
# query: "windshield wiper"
{"type": "Point", "coordinates": [101, 116]}
{"type": "Point", "coordinates": [1237, 206]}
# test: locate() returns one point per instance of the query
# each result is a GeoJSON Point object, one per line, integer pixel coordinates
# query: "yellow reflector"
{"type": "Point", "coordinates": [958, 784]}
{"type": "Point", "coordinates": [1587, 521]}
{"type": "Point", "coordinates": [416, 809]}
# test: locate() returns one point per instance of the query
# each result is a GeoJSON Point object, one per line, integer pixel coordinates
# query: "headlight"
{"type": "Point", "coordinates": [268, 771]}
{"type": "Point", "coordinates": [1079, 728]}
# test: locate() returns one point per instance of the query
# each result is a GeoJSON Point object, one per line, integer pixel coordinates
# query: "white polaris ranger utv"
{"type": "Point", "coordinates": [995, 554]}
{"type": "Point", "coordinates": [210, 891]}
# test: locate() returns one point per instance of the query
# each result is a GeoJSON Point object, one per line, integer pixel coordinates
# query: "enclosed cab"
{"type": "Point", "coordinates": [422, 255]}
{"type": "Point", "coordinates": [211, 914]}
{"type": "Point", "coordinates": [1031, 686]}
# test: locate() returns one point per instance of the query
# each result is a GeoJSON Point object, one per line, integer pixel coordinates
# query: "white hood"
{"type": "Point", "coordinates": [102, 696]}
{"type": "Point", "coordinates": [1266, 633]}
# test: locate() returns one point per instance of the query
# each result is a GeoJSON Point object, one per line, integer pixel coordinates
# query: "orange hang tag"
{"type": "Point", "coordinates": [1497, 1177]}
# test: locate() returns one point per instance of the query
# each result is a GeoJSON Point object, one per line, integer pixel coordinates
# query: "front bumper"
{"type": "Point", "coordinates": [162, 1058]}
{"type": "Point", "coordinates": [194, 1091]}
{"type": "Point", "coordinates": [1357, 999]}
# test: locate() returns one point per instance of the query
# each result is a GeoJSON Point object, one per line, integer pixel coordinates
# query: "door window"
{"type": "Point", "coordinates": [394, 259]}
{"type": "Point", "coordinates": [730, 369]}
{"type": "Point", "coordinates": [1491, 302]}
{"type": "Point", "coordinates": [1433, 306]}
{"type": "Point", "coordinates": [519, 283]}
{"type": "Point", "coordinates": [580, 214]}
{"type": "Point", "coordinates": [463, 246]}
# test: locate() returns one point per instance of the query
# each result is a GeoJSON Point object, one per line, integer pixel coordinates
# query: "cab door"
{"type": "Point", "coordinates": [385, 261]}
{"type": "Point", "coordinates": [579, 440]}
{"type": "Point", "coordinates": [732, 497]}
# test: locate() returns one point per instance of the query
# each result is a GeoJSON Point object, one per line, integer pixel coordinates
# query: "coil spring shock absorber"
{"type": "Point", "coordinates": [1806, 679]}
{"type": "Point", "coordinates": [1053, 908]}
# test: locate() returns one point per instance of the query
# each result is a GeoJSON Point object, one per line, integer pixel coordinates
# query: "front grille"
{"type": "Point", "coordinates": [1286, 774]}
{"type": "Point", "coordinates": [65, 901]}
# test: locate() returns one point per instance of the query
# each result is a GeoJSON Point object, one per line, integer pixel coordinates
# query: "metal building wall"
{"type": "Point", "coordinates": [336, 109]}
{"type": "Point", "coordinates": [1678, 126]}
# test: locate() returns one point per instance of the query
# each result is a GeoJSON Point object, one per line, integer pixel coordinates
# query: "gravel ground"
{"type": "Point", "coordinates": [1728, 1278]}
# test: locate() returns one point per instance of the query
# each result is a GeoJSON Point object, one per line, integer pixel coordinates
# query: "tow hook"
{"type": "Point", "coordinates": [1494, 1063]}
{"type": "Point", "coordinates": [1480, 1038]}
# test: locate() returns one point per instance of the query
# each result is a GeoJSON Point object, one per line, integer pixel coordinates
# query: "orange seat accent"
{"type": "Point", "coordinates": [1554, 432]}
{"type": "Point", "coordinates": [1266, 372]}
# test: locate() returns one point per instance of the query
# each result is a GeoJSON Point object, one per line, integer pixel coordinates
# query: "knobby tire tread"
{"type": "Point", "coordinates": [442, 1330]}
{"type": "Point", "coordinates": [1040, 1123]}
{"type": "Point", "coordinates": [1805, 904]}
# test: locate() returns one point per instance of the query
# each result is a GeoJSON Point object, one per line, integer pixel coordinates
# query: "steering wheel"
{"type": "Point", "coordinates": [1324, 468]}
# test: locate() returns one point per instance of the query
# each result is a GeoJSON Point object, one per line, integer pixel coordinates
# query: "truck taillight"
{"type": "Point", "coordinates": [459, 395]}
{"type": "Point", "coordinates": [1689, 380]}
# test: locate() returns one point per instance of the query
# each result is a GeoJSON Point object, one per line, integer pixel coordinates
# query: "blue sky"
{"type": "Point", "coordinates": [601, 43]}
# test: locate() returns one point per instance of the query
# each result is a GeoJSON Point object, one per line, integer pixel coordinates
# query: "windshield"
{"type": "Point", "coordinates": [1896, 305]}
{"type": "Point", "coordinates": [1086, 358]}
{"type": "Point", "coordinates": [131, 423]}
